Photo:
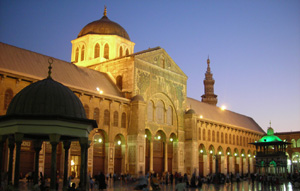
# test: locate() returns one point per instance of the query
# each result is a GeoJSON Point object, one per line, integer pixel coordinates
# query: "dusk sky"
{"type": "Point", "coordinates": [253, 46]}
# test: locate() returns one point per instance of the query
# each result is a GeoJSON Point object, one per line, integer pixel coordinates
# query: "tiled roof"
{"type": "Point", "coordinates": [213, 113]}
{"type": "Point", "coordinates": [34, 65]}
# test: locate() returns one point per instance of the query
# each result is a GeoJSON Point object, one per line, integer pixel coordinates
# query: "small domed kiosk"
{"type": "Point", "coordinates": [271, 154]}
{"type": "Point", "coordinates": [45, 111]}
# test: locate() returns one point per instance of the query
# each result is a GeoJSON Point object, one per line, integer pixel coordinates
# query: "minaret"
{"type": "Point", "coordinates": [209, 96]}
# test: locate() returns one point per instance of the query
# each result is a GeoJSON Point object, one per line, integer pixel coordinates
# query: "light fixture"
{"type": "Point", "coordinates": [99, 90]}
{"type": "Point", "coordinates": [145, 135]}
{"type": "Point", "coordinates": [158, 137]}
{"type": "Point", "coordinates": [242, 155]}
{"type": "Point", "coordinates": [100, 140]}
{"type": "Point", "coordinates": [210, 151]}
{"type": "Point", "coordinates": [235, 154]}
{"type": "Point", "coordinates": [220, 152]}
{"type": "Point", "coordinates": [249, 155]}
{"type": "Point", "coordinates": [228, 153]}
{"type": "Point", "coordinates": [223, 107]}
{"type": "Point", "coordinates": [201, 151]}
{"type": "Point", "coordinates": [119, 142]}
{"type": "Point", "coordinates": [201, 116]}
{"type": "Point", "coordinates": [72, 163]}
{"type": "Point", "coordinates": [171, 139]}
{"type": "Point", "coordinates": [254, 156]}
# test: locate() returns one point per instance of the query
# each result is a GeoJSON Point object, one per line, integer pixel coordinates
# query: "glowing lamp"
{"type": "Point", "coordinates": [119, 142]}
{"type": "Point", "coordinates": [158, 137]}
{"type": "Point", "coordinates": [72, 163]}
{"type": "Point", "coordinates": [201, 116]}
{"type": "Point", "coordinates": [228, 153]}
{"type": "Point", "coordinates": [145, 135]}
{"type": "Point", "coordinates": [223, 107]}
{"type": "Point", "coordinates": [211, 152]}
{"type": "Point", "coordinates": [201, 151]}
{"type": "Point", "coordinates": [235, 154]}
{"type": "Point", "coordinates": [220, 152]}
{"type": "Point", "coordinates": [171, 139]}
{"type": "Point", "coordinates": [100, 140]}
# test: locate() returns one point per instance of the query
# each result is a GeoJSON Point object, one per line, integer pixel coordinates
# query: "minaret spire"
{"type": "Point", "coordinates": [105, 11]}
{"type": "Point", "coordinates": [209, 95]}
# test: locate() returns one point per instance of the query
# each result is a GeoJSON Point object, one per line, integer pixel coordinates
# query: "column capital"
{"type": "Point", "coordinates": [18, 137]}
{"type": "Point", "coordinates": [67, 144]}
{"type": "Point", "coordinates": [84, 141]}
{"type": "Point", "coordinates": [37, 144]}
{"type": "Point", "coordinates": [54, 138]}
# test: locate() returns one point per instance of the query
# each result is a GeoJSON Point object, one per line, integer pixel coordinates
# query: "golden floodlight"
{"type": "Point", "coordinates": [223, 107]}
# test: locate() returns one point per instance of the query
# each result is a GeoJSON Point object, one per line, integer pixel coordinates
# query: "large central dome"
{"type": "Point", "coordinates": [104, 26]}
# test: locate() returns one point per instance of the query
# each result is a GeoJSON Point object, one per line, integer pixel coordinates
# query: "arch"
{"type": "Point", "coordinates": [119, 155]}
{"type": "Point", "coordinates": [202, 152]}
{"type": "Point", "coordinates": [208, 135]}
{"type": "Point", "coordinates": [106, 117]}
{"type": "Point", "coordinates": [106, 51]}
{"type": "Point", "coordinates": [211, 150]}
{"type": "Point", "coordinates": [82, 53]}
{"type": "Point", "coordinates": [170, 115]}
{"type": "Point", "coordinates": [87, 111]}
{"type": "Point", "coordinates": [123, 120]}
{"type": "Point", "coordinates": [220, 151]}
{"type": "Point", "coordinates": [76, 54]}
{"type": "Point", "coordinates": [119, 81]}
{"type": "Point", "coordinates": [213, 136]}
{"type": "Point", "coordinates": [97, 51]}
{"type": "Point", "coordinates": [8, 97]}
{"type": "Point", "coordinates": [160, 112]}
{"type": "Point", "coordinates": [150, 111]}
{"type": "Point", "coordinates": [127, 52]}
{"type": "Point", "coordinates": [159, 142]}
{"type": "Point", "coordinates": [120, 51]}
{"type": "Point", "coordinates": [294, 144]}
{"type": "Point", "coordinates": [99, 140]}
{"type": "Point", "coordinates": [96, 114]}
{"type": "Point", "coordinates": [116, 119]}
{"type": "Point", "coordinates": [203, 134]}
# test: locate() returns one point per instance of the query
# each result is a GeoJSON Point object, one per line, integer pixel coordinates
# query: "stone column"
{"type": "Point", "coordinates": [37, 148]}
{"type": "Point", "coordinates": [54, 140]}
{"type": "Point", "coordinates": [166, 156]}
{"type": "Point", "coordinates": [83, 165]}
{"type": "Point", "coordinates": [66, 162]}
{"type": "Point", "coordinates": [151, 156]}
{"type": "Point", "coordinates": [18, 141]}
{"type": "Point", "coordinates": [2, 140]}
{"type": "Point", "coordinates": [11, 145]}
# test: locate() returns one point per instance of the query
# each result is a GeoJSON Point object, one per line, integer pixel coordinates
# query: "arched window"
{"type": "Point", "coordinates": [213, 136]}
{"type": "Point", "coordinates": [208, 134]}
{"type": "Point", "coordinates": [229, 138]}
{"type": "Point", "coordinates": [222, 138]}
{"type": "Point", "coordinates": [106, 51]}
{"type": "Point", "coordinates": [123, 120]}
{"type": "Point", "coordinates": [237, 140]}
{"type": "Point", "coordinates": [218, 137]}
{"type": "Point", "coordinates": [97, 51]}
{"type": "Point", "coordinates": [233, 139]}
{"type": "Point", "coordinates": [119, 82]}
{"type": "Point", "coordinates": [199, 134]}
{"type": "Point", "coordinates": [170, 116]}
{"type": "Point", "coordinates": [226, 138]}
{"type": "Point", "coordinates": [96, 114]}
{"type": "Point", "coordinates": [298, 143]}
{"type": "Point", "coordinates": [127, 52]}
{"type": "Point", "coordinates": [106, 117]}
{"type": "Point", "coordinates": [293, 145]}
{"type": "Point", "coordinates": [160, 112]}
{"type": "Point", "coordinates": [121, 51]}
{"type": "Point", "coordinates": [86, 109]}
{"type": "Point", "coordinates": [82, 53]}
{"type": "Point", "coordinates": [203, 134]}
{"type": "Point", "coordinates": [116, 119]}
{"type": "Point", "coordinates": [76, 54]}
{"type": "Point", "coordinates": [241, 140]}
{"type": "Point", "coordinates": [7, 98]}
{"type": "Point", "coordinates": [150, 111]}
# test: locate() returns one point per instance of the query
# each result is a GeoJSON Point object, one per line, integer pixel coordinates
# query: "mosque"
{"type": "Point", "coordinates": [144, 119]}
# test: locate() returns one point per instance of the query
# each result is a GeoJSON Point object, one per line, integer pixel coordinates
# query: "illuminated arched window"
{"type": "Point", "coordinates": [150, 111]}
{"type": "Point", "coordinates": [82, 53]}
{"type": "Point", "coordinates": [106, 117]}
{"type": "Point", "coordinates": [86, 109]}
{"type": "Point", "coordinates": [213, 136]}
{"type": "Point", "coordinates": [121, 51]}
{"type": "Point", "coordinates": [127, 52]}
{"type": "Point", "coordinates": [123, 120]}
{"type": "Point", "coordinates": [106, 51]}
{"type": "Point", "coordinates": [119, 82]}
{"type": "Point", "coordinates": [203, 134]}
{"type": "Point", "coordinates": [170, 116]}
{"type": "Point", "coordinates": [96, 114]}
{"type": "Point", "coordinates": [116, 119]}
{"type": "Point", "coordinates": [208, 135]}
{"type": "Point", "coordinates": [76, 54]}
{"type": "Point", "coordinates": [298, 143]}
{"type": "Point", "coordinates": [293, 145]}
{"type": "Point", "coordinates": [7, 98]}
{"type": "Point", "coordinates": [97, 51]}
{"type": "Point", "coordinates": [160, 112]}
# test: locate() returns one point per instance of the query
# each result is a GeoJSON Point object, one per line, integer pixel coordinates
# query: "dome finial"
{"type": "Point", "coordinates": [50, 61]}
{"type": "Point", "coordinates": [105, 11]}
{"type": "Point", "coordinates": [270, 123]}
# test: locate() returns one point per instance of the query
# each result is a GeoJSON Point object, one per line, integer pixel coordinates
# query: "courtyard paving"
{"type": "Point", "coordinates": [242, 186]}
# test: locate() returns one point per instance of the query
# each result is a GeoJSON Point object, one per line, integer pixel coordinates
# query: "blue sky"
{"type": "Point", "coordinates": [254, 46]}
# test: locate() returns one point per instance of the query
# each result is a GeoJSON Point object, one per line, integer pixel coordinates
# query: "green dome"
{"type": "Point", "coordinates": [270, 137]}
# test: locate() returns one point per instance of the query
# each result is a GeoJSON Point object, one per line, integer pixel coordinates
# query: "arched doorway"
{"type": "Point", "coordinates": [243, 161]}
{"type": "Point", "coordinates": [99, 152]}
{"type": "Point", "coordinates": [235, 161]}
{"type": "Point", "coordinates": [249, 162]}
{"type": "Point", "coordinates": [219, 160]}
{"type": "Point", "coordinates": [211, 157]}
{"type": "Point", "coordinates": [119, 156]}
{"type": "Point", "coordinates": [202, 152]}
{"type": "Point", "coordinates": [228, 158]}
{"type": "Point", "coordinates": [159, 152]}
